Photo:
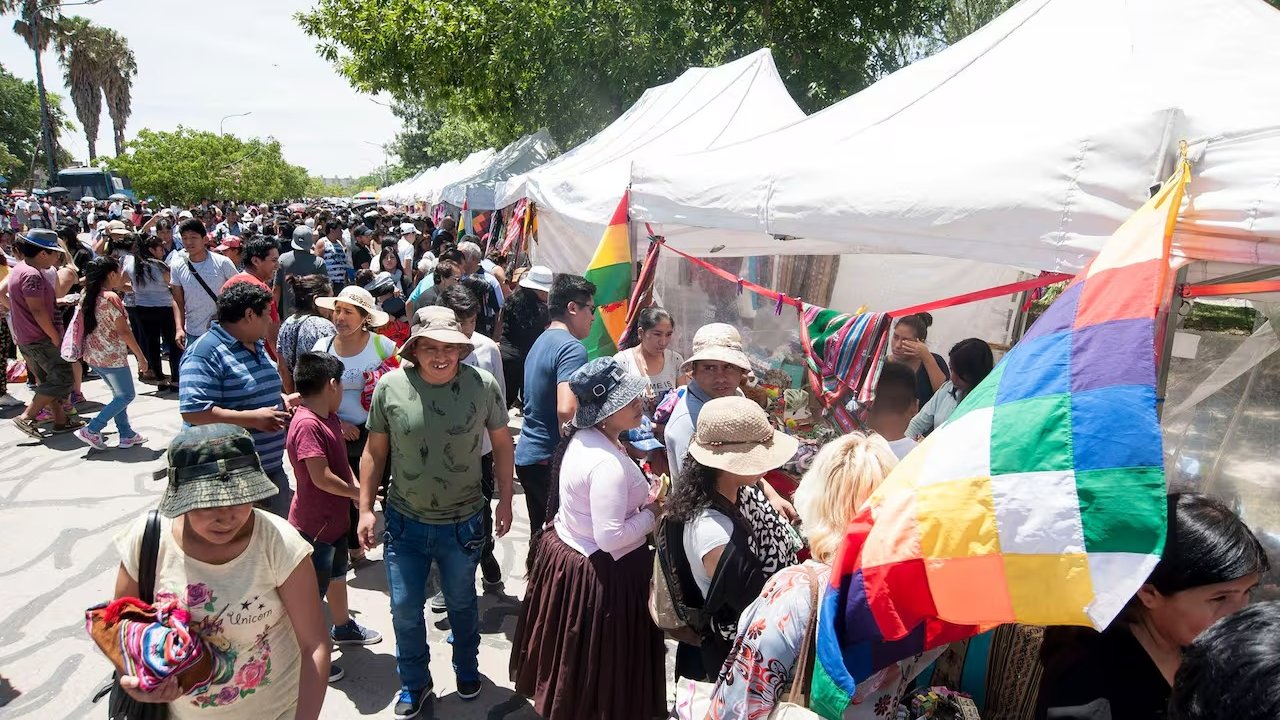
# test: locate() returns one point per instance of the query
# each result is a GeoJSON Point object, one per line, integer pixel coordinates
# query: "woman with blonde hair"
{"type": "Point", "coordinates": [771, 631]}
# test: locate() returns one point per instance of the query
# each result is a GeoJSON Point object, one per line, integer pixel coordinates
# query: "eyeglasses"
{"type": "Point", "coordinates": [591, 307]}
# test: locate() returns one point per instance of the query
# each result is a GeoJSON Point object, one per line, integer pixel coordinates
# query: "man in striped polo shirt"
{"type": "Point", "coordinates": [227, 377]}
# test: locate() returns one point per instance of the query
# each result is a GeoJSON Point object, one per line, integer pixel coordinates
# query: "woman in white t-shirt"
{"type": "Point", "coordinates": [734, 540]}
{"type": "Point", "coordinates": [652, 359]}
{"type": "Point", "coordinates": [243, 575]}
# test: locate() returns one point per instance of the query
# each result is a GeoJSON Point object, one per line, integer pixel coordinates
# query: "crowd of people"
{"type": "Point", "coordinates": [346, 378]}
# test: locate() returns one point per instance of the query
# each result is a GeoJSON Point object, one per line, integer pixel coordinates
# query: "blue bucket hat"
{"type": "Point", "coordinates": [43, 239]}
{"type": "Point", "coordinates": [603, 387]}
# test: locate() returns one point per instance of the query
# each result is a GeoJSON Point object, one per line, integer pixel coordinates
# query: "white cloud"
{"type": "Point", "coordinates": [198, 62]}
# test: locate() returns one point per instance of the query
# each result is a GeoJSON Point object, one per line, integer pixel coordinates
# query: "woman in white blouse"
{"type": "Point", "coordinates": [585, 646]}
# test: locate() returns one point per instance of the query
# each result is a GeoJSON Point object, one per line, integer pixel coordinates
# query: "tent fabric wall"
{"type": "Point", "coordinates": [479, 188]}
{"type": "Point", "coordinates": [1027, 142]}
{"type": "Point", "coordinates": [703, 108]}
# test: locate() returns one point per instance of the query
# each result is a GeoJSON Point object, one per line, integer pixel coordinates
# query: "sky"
{"type": "Point", "coordinates": [201, 61]}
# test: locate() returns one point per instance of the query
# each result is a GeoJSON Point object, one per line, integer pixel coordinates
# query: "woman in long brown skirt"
{"type": "Point", "coordinates": [585, 647]}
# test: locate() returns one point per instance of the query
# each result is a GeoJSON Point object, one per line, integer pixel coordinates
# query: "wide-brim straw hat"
{"type": "Point", "coordinates": [438, 323]}
{"type": "Point", "coordinates": [357, 297]}
{"type": "Point", "coordinates": [718, 342]}
{"type": "Point", "coordinates": [603, 387]}
{"type": "Point", "coordinates": [733, 434]}
{"type": "Point", "coordinates": [213, 466]}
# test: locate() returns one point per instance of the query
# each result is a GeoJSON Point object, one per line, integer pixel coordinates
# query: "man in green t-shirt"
{"type": "Point", "coordinates": [429, 419]}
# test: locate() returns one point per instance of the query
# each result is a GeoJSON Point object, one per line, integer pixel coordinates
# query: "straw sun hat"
{"type": "Point", "coordinates": [734, 435]}
{"type": "Point", "coordinates": [720, 342]}
{"type": "Point", "coordinates": [357, 297]}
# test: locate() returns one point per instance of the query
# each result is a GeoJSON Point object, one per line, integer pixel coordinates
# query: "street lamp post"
{"type": "Point", "coordinates": [228, 117]}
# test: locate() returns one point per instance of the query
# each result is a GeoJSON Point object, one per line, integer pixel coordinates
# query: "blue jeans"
{"type": "Point", "coordinates": [120, 380]}
{"type": "Point", "coordinates": [411, 547]}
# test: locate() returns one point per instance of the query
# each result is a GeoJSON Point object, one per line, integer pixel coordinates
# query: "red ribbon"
{"type": "Point", "coordinates": [774, 295]}
{"type": "Point", "coordinates": [997, 291]}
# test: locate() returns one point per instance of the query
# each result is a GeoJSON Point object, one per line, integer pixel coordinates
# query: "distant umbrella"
{"type": "Point", "coordinates": [117, 196]}
{"type": "Point", "coordinates": [367, 195]}
{"type": "Point", "coordinates": [57, 190]}
{"type": "Point", "coordinates": [89, 199]}
{"type": "Point", "coordinates": [297, 208]}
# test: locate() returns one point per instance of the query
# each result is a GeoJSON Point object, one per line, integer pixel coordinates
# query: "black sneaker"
{"type": "Point", "coordinates": [468, 689]}
{"type": "Point", "coordinates": [490, 571]}
{"type": "Point", "coordinates": [336, 672]}
{"type": "Point", "coordinates": [411, 703]}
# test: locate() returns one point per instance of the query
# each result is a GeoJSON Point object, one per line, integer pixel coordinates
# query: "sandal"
{"type": "Point", "coordinates": [28, 428]}
{"type": "Point", "coordinates": [68, 426]}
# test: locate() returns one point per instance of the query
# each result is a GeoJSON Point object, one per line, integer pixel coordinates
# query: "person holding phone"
{"type": "Point", "coordinates": [228, 377]}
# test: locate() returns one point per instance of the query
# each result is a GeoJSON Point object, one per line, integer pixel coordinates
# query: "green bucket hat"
{"type": "Point", "coordinates": [213, 466]}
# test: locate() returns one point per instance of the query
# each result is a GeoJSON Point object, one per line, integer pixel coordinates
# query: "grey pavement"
{"type": "Point", "coordinates": [63, 503]}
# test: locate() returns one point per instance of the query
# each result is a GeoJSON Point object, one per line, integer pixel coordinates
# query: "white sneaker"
{"type": "Point", "coordinates": [91, 438]}
{"type": "Point", "coordinates": [128, 442]}
{"type": "Point", "coordinates": [7, 400]}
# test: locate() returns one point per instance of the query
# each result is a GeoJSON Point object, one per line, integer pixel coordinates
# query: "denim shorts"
{"type": "Point", "coordinates": [329, 559]}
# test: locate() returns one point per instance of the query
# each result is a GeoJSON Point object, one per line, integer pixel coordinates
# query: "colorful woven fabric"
{"type": "Point", "coordinates": [151, 643]}
{"type": "Point", "coordinates": [843, 352]}
{"type": "Point", "coordinates": [517, 227]}
{"type": "Point", "coordinates": [1041, 501]}
{"type": "Point", "coordinates": [610, 270]}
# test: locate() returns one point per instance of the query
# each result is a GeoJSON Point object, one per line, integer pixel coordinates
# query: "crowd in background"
{"type": "Point", "coordinates": [334, 364]}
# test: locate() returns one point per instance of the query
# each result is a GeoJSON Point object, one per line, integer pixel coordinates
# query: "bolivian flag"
{"type": "Point", "coordinates": [610, 271]}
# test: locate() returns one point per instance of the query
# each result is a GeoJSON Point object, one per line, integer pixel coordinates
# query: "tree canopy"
{"type": "Point", "coordinates": [476, 73]}
{"type": "Point", "coordinates": [186, 165]}
{"type": "Point", "coordinates": [20, 127]}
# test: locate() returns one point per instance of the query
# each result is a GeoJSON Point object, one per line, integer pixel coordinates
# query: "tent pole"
{"type": "Point", "coordinates": [1170, 329]}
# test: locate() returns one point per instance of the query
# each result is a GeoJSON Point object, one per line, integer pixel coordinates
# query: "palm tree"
{"type": "Point", "coordinates": [80, 51]}
{"type": "Point", "coordinates": [36, 22]}
{"type": "Point", "coordinates": [117, 82]}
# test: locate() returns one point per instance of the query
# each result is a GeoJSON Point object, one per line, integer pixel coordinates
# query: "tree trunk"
{"type": "Point", "coordinates": [46, 122]}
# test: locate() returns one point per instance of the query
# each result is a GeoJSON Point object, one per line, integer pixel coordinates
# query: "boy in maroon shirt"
{"type": "Point", "coordinates": [321, 509]}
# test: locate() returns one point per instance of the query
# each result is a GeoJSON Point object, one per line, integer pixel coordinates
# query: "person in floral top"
{"type": "Point", "coordinates": [107, 343]}
{"type": "Point", "coordinates": [771, 630]}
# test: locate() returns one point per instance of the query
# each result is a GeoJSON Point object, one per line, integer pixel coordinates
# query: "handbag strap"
{"type": "Point", "coordinates": [147, 558]}
{"type": "Point", "coordinates": [804, 663]}
{"type": "Point", "coordinates": [195, 273]}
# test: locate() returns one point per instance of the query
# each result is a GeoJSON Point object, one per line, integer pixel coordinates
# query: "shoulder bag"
{"type": "Point", "coordinates": [119, 705]}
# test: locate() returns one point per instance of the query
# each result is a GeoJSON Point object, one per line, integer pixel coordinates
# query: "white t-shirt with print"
{"type": "Point", "coordinates": [375, 352]}
{"type": "Point", "coordinates": [236, 609]}
{"type": "Point", "coordinates": [657, 386]}
{"type": "Point", "coordinates": [200, 309]}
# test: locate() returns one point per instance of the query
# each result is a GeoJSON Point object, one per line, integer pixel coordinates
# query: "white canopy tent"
{"type": "Point", "coordinates": [479, 188]}
{"type": "Point", "coordinates": [1027, 143]}
{"type": "Point", "coordinates": [704, 108]}
{"type": "Point", "coordinates": [452, 172]}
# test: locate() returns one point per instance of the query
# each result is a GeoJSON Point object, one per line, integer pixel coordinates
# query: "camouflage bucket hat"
{"type": "Point", "coordinates": [213, 466]}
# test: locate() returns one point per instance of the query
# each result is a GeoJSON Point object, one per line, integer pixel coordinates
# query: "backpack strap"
{"type": "Point", "coordinates": [147, 558]}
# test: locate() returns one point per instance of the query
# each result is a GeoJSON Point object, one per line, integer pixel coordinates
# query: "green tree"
{"type": "Point", "coordinates": [20, 128]}
{"type": "Point", "coordinates": [36, 23]}
{"type": "Point", "coordinates": [185, 165]}
{"type": "Point", "coordinates": [81, 50]}
{"type": "Point", "coordinates": [484, 72]}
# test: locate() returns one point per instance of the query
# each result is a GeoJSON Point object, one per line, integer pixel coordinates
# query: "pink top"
{"type": "Point", "coordinates": [602, 492]}
{"type": "Point", "coordinates": [104, 347]}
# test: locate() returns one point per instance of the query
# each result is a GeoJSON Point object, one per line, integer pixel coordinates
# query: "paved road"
{"type": "Point", "coordinates": [61, 504]}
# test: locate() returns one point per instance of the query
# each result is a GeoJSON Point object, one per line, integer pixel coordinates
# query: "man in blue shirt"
{"type": "Point", "coordinates": [227, 377]}
{"type": "Point", "coordinates": [548, 401]}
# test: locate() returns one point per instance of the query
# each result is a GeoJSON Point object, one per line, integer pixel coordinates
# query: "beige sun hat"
{"type": "Point", "coordinates": [438, 323]}
{"type": "Point", "coordinates": [720, 342]}
{"type": "Point", "coordinates": [734, 435]}
{"type": "Point", "coordinates": [357, 297]}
